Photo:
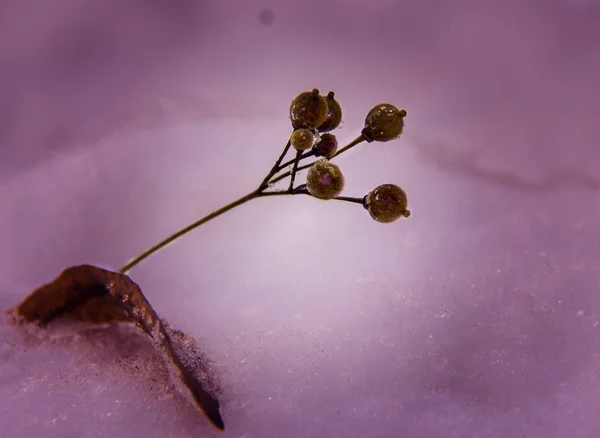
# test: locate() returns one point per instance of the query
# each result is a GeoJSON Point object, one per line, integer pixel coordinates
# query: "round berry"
{"type": "Point", "coordinates": [334, 114]}
{"type": "Point", "coordinates": [384, 122]}
{"type": "Point", "coordinates": [302, 139]}
{"type": "Point", "coordinates": [326, 146]}
{"type": "Point", "coordinates": [387, 203]}
{"type": "Point", "coordinates": [324, 180]}
{"type": "Point", "coordinates": [308, 110]}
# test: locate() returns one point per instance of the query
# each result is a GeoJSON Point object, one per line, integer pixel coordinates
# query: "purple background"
{"type": "Point", "coordinates": [123, 120]}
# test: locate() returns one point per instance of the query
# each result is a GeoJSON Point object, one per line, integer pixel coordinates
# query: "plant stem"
{"type": "Point", "coordinates": [303, 191]}
{"type": "Point", "coordinates": [349, 199]}
{"type": "Point", "coordinates": [190, 227]}
{"type": "Point", "coordinates": [294, 170]}
{"type": "Point", "coordinates": [349, 146]}
{"type": "Point", "coordinates": [290, 162]}
{"type": "Point", "coordinates": [265, 182]}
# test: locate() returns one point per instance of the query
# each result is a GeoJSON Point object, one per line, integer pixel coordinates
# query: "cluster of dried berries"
{"type": "Point", "coordinates": [313, 116]}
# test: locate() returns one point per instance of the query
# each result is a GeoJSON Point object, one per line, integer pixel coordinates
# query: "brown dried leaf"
{"type": "Point", "coordinates": [90, 294]}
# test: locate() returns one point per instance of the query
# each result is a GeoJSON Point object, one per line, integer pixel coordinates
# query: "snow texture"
{"type": "Point", "coordinates": [478, 316]}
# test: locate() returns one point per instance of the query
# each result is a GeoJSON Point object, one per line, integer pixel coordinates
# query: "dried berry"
{"type": "Point", "coordinates": [324, 180]}
{"type": "Point", "coordinates": [326, 146]}
{"type": "Point", "coordinates": [334, 114]}
{"type": "Point", "coordinates": [302, 139]}
{"type": "Point", "coordinates": [308, 110]}
{"type": "Point", "coordinates": [387, 203]}
{"type": "Point", "coordinates": [384, 122]}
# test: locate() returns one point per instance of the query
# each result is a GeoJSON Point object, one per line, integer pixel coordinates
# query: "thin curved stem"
{"type": "Point", "coordinates": [349, 199]}
{"type": "Point", "coordinates": [186, 230]}
{"type": "Point", "coordinates": [294, 170]}
{"type": "Point", "coordinates": [349, 146]}
{"type": "Point", "coordinates": [304, 191]}
{"type": "Point", "coordinates": [276, 168]}
{"type": "Point", "coordinates": [173, 237]}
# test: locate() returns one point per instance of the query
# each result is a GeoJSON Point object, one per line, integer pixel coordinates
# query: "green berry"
{"type": "Point", "coordinates": [308, 110]}
{"type": "Point", "coordinates": [302, 139]}
{"type": "Point", "coordinates": [387, 203]}
{"type": "Point", "coordinates": [326, 146]}
{"type": "Point", "coordinates": [334, 114]}
{"type": "Point", "coordinates": [324, 180]}
{"type": "Point", "coordinates": [384, 122]}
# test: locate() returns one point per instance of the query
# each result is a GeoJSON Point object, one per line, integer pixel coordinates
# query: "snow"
{"type": "Point", "coordinates": [477, 316]}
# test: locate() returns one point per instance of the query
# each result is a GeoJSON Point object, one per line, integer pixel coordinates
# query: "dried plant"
{"type": "Point", "coordinates": [94, 295]}
{"type": "Point", "coordinates": [313, 116]}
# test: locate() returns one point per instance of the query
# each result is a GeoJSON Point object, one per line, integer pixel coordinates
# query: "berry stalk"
{"type": "Point", "coordinates": [303, 191]}
{"type": "Point", "coordinates": [265, 182]}
{"type": "Point", "coordinates": [190, 227]}
{"type": "Point", "coordinates": [294, 171]}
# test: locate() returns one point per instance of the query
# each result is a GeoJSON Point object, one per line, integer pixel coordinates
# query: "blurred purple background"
{"type": "Point", "coordinates": [121, 121]}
